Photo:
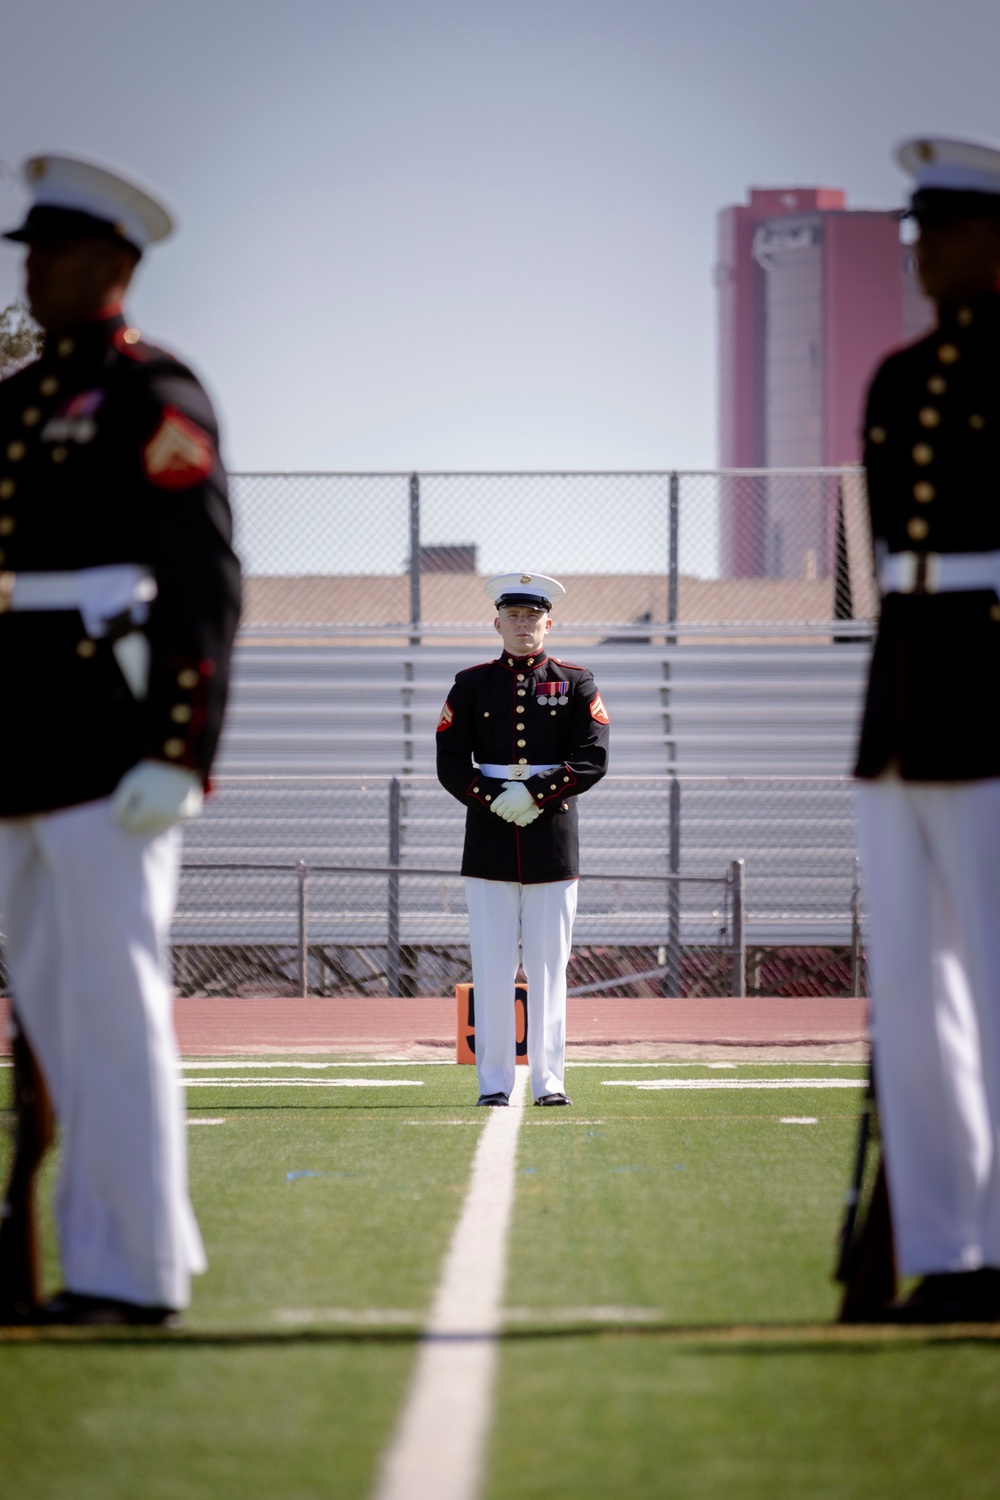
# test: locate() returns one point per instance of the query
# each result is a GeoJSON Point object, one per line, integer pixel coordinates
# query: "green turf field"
{"type": "Point", "coordinates": [651, 1227]}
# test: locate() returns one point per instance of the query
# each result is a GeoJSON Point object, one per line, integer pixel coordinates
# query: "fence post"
{"type": "Point", "coordinates": [302, 871]}
{"type": "Point", "coordinates": [672, 554]}
{"type": "Point", "coordinates": [736, 872]}
{"type": "Point", "coordinates": [857, 951]}
{"type": "Point", "coordinates": [672, 978]}
{"type": "Point", "coordinates": [392, 963]}
{"type": "Point", "coordinates": [415, 557]}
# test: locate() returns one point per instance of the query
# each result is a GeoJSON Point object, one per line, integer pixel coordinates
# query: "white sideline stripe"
{"type": "Point", "coordinates": [737, 1083]}
{"type": "Point", "coordinates": [437, 1451]}
{"type": "Point", "coordinates": [583, 1314]}
{"type": "Point", "coordinates": [377, 1317]}
{"type": "Point", "coordinates": [364, 1317]}
{"type": "Point", "coordinates": [204, 1120]}
{"type": "Point", "coordinates": [301, 1083]}
{"type": "Point", "coordinates": [799, 1120]}
{"type": "Point", "coordinates": [220, 1065]}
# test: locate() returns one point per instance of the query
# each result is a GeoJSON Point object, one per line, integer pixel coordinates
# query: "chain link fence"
{"type": "Point", "coordinates": [756, 552]}
{"type": "Point", "coordinates": [349, 886]}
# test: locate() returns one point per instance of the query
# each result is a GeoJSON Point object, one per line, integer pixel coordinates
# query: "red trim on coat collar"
{"type": "Point", "coordinates": [521, 663]}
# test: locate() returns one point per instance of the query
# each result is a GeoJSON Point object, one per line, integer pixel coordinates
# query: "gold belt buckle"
{"type": "Point", "coordinates": [7, 581]}
{"type": "Point", "coordinates": [517, 773]}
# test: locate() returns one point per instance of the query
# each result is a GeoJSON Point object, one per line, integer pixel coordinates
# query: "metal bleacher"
{"type": "Point", "coordinates": [760, 737]}
{"type": "Point", "coordinates": [772, 710]}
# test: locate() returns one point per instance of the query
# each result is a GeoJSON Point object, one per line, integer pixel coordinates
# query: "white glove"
{"type": "Point", "coordinates": [153, 796]}
{"type": "Point", "coordinates": [515, 804]}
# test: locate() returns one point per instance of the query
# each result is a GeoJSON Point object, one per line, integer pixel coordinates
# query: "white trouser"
{"type": "Point", "coordinates": [533, 923]}
{"type": "Point", "coordinates": [931, 858]}
{"type": "Point", "coordinates": [86, 916]}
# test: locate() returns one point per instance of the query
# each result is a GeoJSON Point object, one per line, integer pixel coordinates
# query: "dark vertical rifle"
{"type": "Point", "coordinates": [20, 1260]}
{"type": "Point", "coordinates": [866, 1260]}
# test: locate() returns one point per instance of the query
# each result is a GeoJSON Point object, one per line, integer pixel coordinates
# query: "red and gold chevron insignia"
{"type": "Point", "coordinates": [178, 454]}
{"type": "Point", "coordinates": [598, 711]}
{"type": "Point", "coordinates": [446, 717]}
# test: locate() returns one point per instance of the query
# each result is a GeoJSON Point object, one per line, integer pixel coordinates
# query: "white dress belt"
{"type": "Point", "coordinates": [516, 773]}
{"type": "Point", "coordinates": [100, 594]}
{"type": "Point", "coordinates": [939, 572]}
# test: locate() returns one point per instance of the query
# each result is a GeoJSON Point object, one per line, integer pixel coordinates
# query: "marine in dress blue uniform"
{"type": "Point", "coordinates": [520, 739]}
{"type": "Point", "coordinates": [119, 597]}
{"type": "Point", "coordinates": [928, 763]}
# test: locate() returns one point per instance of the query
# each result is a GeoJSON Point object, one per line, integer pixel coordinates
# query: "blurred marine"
{"type": "Point", "coordinates": [119, 596]}
{"type": "Point", "coordinates": [520, 738]}
{"type": "Point", "coordinates": [928, 795]}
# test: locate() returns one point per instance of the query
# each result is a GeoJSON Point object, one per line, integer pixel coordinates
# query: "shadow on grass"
{"type": "Point", "coordinates": [759, 1338]}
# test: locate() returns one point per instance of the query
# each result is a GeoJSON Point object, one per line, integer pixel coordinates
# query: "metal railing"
{"type": "Point", "coordinates": [733, 928]}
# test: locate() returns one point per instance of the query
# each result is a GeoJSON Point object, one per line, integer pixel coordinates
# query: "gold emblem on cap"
{"type": "Point", "coordinates": [525, 577]}
{"type": "Point", "coordinates": [925, 150]}
{"type": "Point", "coordinates": [36, 168]}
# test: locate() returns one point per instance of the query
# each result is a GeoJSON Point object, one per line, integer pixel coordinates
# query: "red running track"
{"type": "Point", "coordinates": [213, 1027]}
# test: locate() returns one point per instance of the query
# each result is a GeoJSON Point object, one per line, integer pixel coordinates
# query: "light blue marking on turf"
{"type": "Point", "coordinates": [294, 1176]}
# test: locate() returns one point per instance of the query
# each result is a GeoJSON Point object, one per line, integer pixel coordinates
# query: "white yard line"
{"type": "Point", "coordinates": [437, 1452]}
{"type": "Point", "coordinates": [301, 1083]}
{"type": "Point", "coordinates": [737, 1083]}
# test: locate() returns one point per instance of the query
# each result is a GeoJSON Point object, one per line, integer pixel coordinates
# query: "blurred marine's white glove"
{"type": "Point", "coordinates": [153, 796]}
{"type": "Point", "coordinates": [515, 804]}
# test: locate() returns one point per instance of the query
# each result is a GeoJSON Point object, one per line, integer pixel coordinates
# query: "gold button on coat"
{"type": "Point", "coordinates": [7, 488]}
{"type": "Point", "coordinates": [878, 434]}
{"type": "Point", "coordinates": [174, 749]}
{"type": "Point", "coordinates": [929, 416]}
{"type": "Point", "coordinates": [923, 453]}
{"type": "Point", "coordinates": [181, 713]}
{"type": "Point", "coordinates": [917, 528]}
{"type": "Point", "coordinates": [59, 454]}
{"type": "Point", "coordinates": [521, 744]}
{"type": "Point", "coordinates": [965, 317]}
{"type": "Point", "coordinates": [995, 611]}
{"type": "Point", "coordinates": [977, 422]}
{"type": "Point", "coordinates": [65, 348]}
{"type": "Point", "coordinates": [924, 492]}
{"type": "Point", "coordinates": [86, 649]}
{"type": "Point", "coordinates": [16, 450]}
{"type": "Point", "coordinates": [948, 354]}
{"type": "Point", "coordinates": [937, 385]}
{"type": "Point", "coordinates": [188, 678]}
{"type": "Point", "coordinates": [31, 416]}
{"type": "Point", "coordinates": [49, 385]}
{"type": "Point", "coordinates": [7, 525]}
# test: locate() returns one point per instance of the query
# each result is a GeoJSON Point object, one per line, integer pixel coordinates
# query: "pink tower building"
{"type": "Point", "coordinates": [812, 295]}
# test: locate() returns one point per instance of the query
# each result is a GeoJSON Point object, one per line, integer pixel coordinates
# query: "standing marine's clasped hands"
{"type": "Point", "coordinates": [515, 804]}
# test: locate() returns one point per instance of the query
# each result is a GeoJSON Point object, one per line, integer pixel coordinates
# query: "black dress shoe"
{"type": "Point", "coordinates": [494, 1100]}
{"type": "Point", "coordinates": [78, 1310]}
{"type": "Point", "coordinates": [950, 1297]}
{"type": "Point", "coordinates": [553, 1099]}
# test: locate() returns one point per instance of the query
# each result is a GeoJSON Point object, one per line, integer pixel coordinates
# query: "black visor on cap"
{"type": "Point", "coordinates": [942, 205]}
{"type": "Point", "coordinates": [47, 223]}
{"type": "Point", "coordinates": [532, 600]}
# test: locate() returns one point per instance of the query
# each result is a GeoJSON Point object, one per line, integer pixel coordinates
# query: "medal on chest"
{"type": "Point", "coordinates": [552, 692]}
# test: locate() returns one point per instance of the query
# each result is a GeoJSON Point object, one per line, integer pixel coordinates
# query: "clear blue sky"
{"type": "Point", "coordinates": [445, 233]}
